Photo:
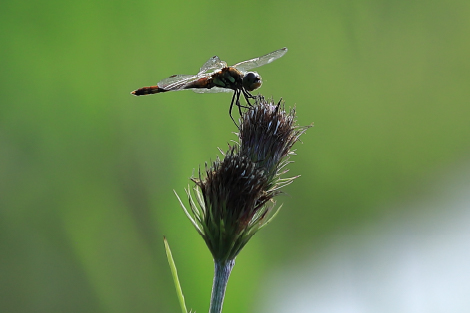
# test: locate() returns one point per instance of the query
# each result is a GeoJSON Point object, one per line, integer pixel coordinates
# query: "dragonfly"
{"type": "Point", "coordinates": [215, 76]}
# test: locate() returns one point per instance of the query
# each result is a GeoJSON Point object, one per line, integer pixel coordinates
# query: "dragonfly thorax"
{"type": "Point", "coordinates": [251, 81]}
{"type": "Point", "coordinates": [228, 78]}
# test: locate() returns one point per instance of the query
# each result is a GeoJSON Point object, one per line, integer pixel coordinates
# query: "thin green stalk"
{"type": "Point", "coordinates": [222, 272]}
{"type": "Point", "coordinates": [174, 272]}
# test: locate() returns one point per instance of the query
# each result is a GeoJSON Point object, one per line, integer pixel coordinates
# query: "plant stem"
{"type": "Point", "coordinates": [222, 272]}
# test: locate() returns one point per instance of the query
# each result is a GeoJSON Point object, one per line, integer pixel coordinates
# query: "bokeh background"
{"type": "Point", "coordinates": [87, 171]}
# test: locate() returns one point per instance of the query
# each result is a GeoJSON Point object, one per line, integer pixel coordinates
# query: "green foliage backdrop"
{"type": "Point", "coordinates": [87, 170]}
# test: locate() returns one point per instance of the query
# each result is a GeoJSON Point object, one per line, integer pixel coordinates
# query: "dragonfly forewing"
{"type": "Point", "coordinates": [213, 64]}
{"type": "Point", "coordinates": [257, 62]}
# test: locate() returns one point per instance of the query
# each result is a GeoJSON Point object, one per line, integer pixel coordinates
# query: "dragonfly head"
{"type": "Point", "coordinates": [251, 81]}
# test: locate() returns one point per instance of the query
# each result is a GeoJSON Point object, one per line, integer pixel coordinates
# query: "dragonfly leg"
{"type": "Point", "coordinates": [238, 104]}
{"type": "Point", "coordinates": [231, 105]}
{"type": "Point", "coordinates": [236, 101]}
{"type": "Point", "coordinates": [247, 96]}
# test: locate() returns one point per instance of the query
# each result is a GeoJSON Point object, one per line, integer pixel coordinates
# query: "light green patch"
{"type": "Point", "coordinates": [219, 83]}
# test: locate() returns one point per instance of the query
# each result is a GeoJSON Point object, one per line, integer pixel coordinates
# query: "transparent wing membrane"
{"type": "Point", "coordinates": [212, 90]}
{"type": "Point", "coordinates": [257, 62]}
{"type": "Point", "coordinates": [212, 64]}
{"type": "Point", "coordinates": [176, 82]}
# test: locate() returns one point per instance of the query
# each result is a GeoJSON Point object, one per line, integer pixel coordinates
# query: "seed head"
{"type": "Point", "coordinates": [234, 197]}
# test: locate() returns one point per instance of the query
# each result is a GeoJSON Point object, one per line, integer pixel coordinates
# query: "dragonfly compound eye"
{"type": "Point", "coordinates": [251, 81]}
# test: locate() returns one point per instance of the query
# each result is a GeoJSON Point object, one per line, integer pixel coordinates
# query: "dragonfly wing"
{"type": "Point", "coordinates": [176, 82]}
{"type": "Point", "coordinates": [212, 64]}
{"type": "Point", "coordinates": [212, 90]}
{"type": "Point", "coordinates": [257, 62]}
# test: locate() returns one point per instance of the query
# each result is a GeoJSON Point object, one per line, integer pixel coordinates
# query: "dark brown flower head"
{"type": "Point", "coordinates": [232, 196]}
{"type": "Point", "coordinates": [267, 134]}
{"type": "Point", "coordinates": [233, 199]}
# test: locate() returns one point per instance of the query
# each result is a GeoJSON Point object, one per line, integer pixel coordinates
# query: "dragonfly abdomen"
{"type": "Point", "coordinates": [147, 91]}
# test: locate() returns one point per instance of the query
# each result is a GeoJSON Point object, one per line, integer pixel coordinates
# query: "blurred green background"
{"type": "Point", "coordinates": [87, 170]}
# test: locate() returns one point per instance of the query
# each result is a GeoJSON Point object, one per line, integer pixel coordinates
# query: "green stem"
{"type": "Point", "coordinates": [222, 272]}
